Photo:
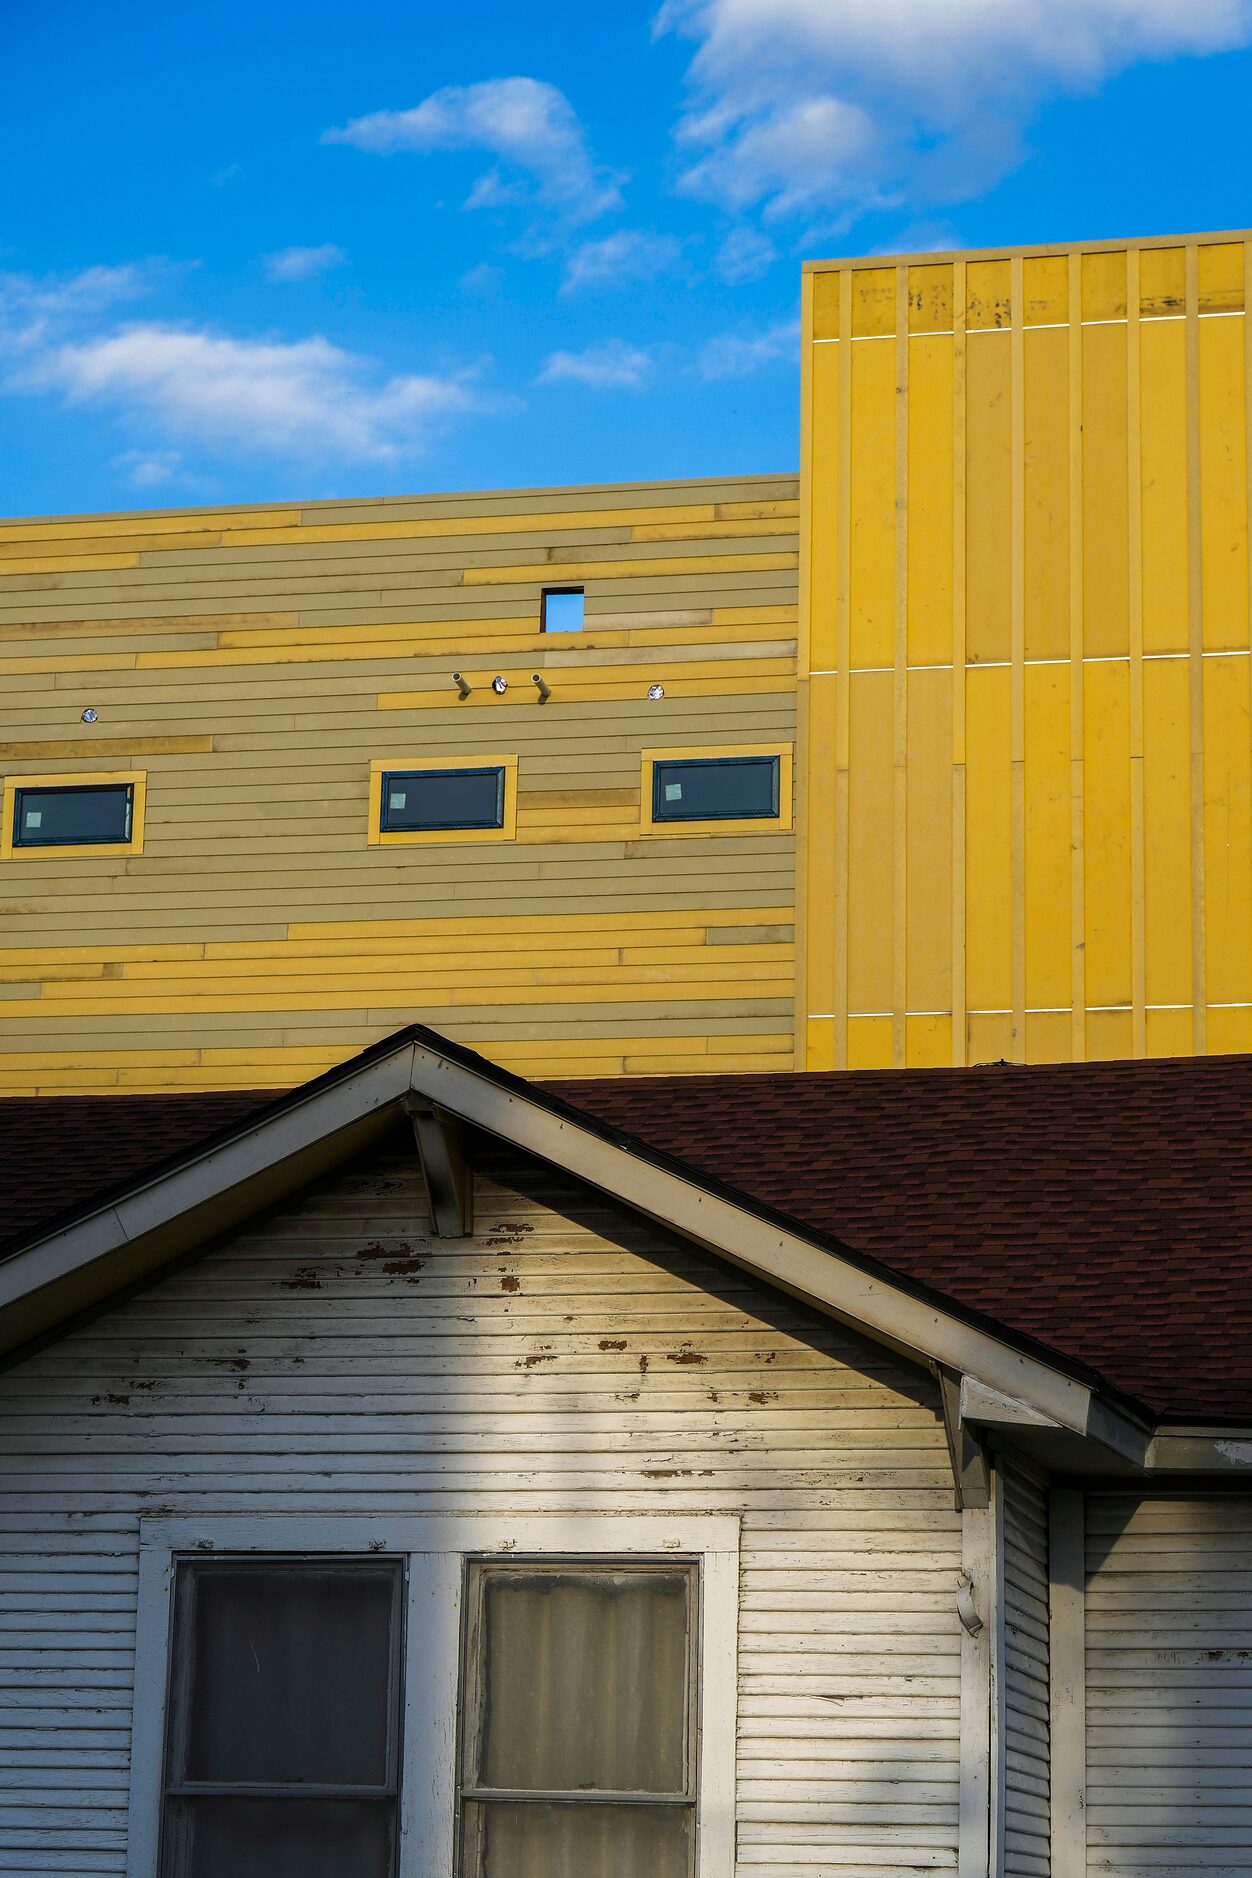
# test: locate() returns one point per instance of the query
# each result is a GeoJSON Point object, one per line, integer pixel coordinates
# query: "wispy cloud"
{"type": "Point", "coordinates": [528, 126]}
{"type": "Point", "coordinates": [798, 106]}
{"type": "Point", "coordinates": [739, 355]}
{"type": "Point", "coordinates": [31, 308]}
{"type": "Point", "coordinates": [744, 255]}
{"type": "Point", "coordinates": [148, 469]}
{"type": "Point", "coordinates": [303, 263]}
{"type": "Point", "coordinates": [631, 254]}
{"type": "Point", "coordinates": [609, 365]}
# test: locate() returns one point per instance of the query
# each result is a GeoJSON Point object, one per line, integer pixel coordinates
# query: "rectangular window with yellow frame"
{"type": "Point", "coordinates": [720, 790]}
{"type": "Point", "coordinates": [416, 799]}
{"type": "Point", "coordinates": [73, 814]}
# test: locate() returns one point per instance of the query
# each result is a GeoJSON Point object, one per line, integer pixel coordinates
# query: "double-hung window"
{"type": "Point", "coordinates": [435, 1697]}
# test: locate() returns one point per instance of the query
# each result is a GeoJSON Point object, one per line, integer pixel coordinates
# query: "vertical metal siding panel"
{"type": "Point", "coordinates": [1169, 1687]}
{"type": "Point", "coordinates": [334, 1359]}
{"type": "Point", "coordinates": [1024, 1681]}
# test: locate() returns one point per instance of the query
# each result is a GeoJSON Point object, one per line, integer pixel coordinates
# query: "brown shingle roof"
{"type": "Point", "coordinates": [1102, 1210]}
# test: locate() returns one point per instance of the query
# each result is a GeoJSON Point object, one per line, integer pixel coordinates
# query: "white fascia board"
{"type": "Point", "coordinates": [724, 1228]}
{"type": "Point", "coordinates": [1201, 1451]}
{"type": "Point", "coordinates": [988, 1408]}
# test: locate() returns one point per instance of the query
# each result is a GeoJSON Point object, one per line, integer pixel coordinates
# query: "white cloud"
{"type": "Point", "coordinates": [803, 105]}
{"type": "Point", "coordinates": [528, 125]}
{"type": "Point", "coordinates": [609, 365]}
{"type": "Point", "coordinates": [31, 309]}
{"type": "Point", "coordinates": [280, 396]}
{"type": "Point", "coordinates": [147, 469]}
{"type": "Point", "coordinates": [745, 255]}
{"type": "Point", "coordinates": [630, 254]}
{"type": "Point", "coordinates": [486, 279]}
{"type": "Point", "coordinates": [303, 263]}
{"type": "Point", "coordinates": [739, 355]}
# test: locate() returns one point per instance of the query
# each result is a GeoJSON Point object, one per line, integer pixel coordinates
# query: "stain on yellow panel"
{"type": "Point", "coordinates": [1045, 289]}
{"type": "Point", "coordinates": [871, 575]}
{"type": "Point", "coordinates": [823, 546]}
{"type": "Point", "coordinates": [1105, 510]}
{"type": "Point", "coordinates": [928, 913]}
{"type": "Point", "coordinates": [870, 844]}
{"type": "Point", "coordinates": [1162, 282]}
{"type": "Point", "coordinates": [1046, 793]}
{"type": "Point", "coordinates": [988, 837]}
{"type": "Point", "coordinates": [1219, 265]}
{"type": "Point", "coordinates": [1049, 1037]}
{"type": "Point", "coordinates": [930, 502]}
{"type": "Point", "coordinates": [930, 298]}
{"type": "Point", "coordinates": [869, 1043]}
{"type": "Point", "coordinates": [1110, 1036]}
{"type": "Point", "coordinates": [1227, 832]}
{"type": "Point", "coordinates": [1223, 482]}
{"type": "Point", "coordinates": [1167, 831]}
{"type": "Point", "coordinates": [1104, 286]}
{"type": "Point", "coordinates": [988, 294]}
{"type": "Point", "coordinates": [873, 302]}
{"type": "Point", "coordinates": [1169, 1033]}
{"type": "Point", "coordinates": [989, 497]}
{"type": "Point", "coordinates": [1163, 456]}
{"type": "Point", "coordinates": [1106, 797]}
{"type": "Point", "coordinates": [1045, 483]}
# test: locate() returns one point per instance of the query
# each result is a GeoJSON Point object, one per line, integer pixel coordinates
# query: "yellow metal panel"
{"type": "Point", "coordinates": [1223, 481]}
{"type": "Point", "coordinates": [869, 1043]}
{"type": "Point", "coordinates": [1106, 765]}
{"type": "Point", "coordinates": [1163, 444]}
{"type": "Point", "coordinates": [1220, 265]}
{"type": "Point", "coordinates": [1104, 286]}
{"type": "Point", "coordinates": [1106, 617]}
{"type": "Point", "coordinates": [1046, 493]}
{"type": "Point", "coordinates": [1048, 1036]}
{"type": "Point", "coordinates": [1045, 290]}
{"type": "Point", "coordinates": [870, 844]}
{"type": "Point", "coordinates": [988, 294]}
{"type": "Point", "coordinates": [1046, 790]}
{"type": "Point", "coordinates": [818, 833]}
{"type": "Point", "coordinates": [988, 842]}
{"type": "Point", "coordinates": [988, 495]}
{"type": "Point", "coordinates": [930, 298]}
{"type": "Point", "coordinates": [990, 1037]}
{"type": "Point", "coordinates": [1230, 1031]}
{"type": "Point", "coordinates": [928, 1041]}
{"type": "Point", "coordinates": [1109, 1036]}
{"type": "Point", "coordinates": [873, 302]}
{"type": "Point", "coordinates": [826, 305]}
{"type": "Point", "coordinates": [872, 495]}
{"type": "Point", "coordinates": [928, 910]}
{"type": "Point", "coordinates": [1162, 282]}
{"type": "Point", "coordinates": [1169, 1033]}
{"type": "Point", "coordinates": [1227, 833]}
{"type": "Point", "coordinates": [930, 501]}
{"type": "Point", "coordinates": [1167, 831]}
{"type": "Point", "coordinates": [823, 546]}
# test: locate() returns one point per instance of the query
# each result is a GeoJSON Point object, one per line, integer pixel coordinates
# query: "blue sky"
{"type": "Point", "coordinates": [261, 252]}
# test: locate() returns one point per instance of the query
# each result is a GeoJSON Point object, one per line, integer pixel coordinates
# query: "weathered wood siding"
{"type": "Point", "coordinates": [1026, 1750]}
{"type": "Point", "coordinates": [335, 1360]}
{"type": "Point", "coordinates": [254, 663]}
{"type": "Point", "coordinates": [1169, 1686]}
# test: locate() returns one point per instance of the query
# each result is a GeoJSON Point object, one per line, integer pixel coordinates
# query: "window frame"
{"type": "Point", "coordinates": [560, 631]}
{"type": "Point", "coordinates": [780, 824]}
{"type": "Point", "coordinates": [381, 767]}
{"type": "Point", "coordinates": [13, 850]}
{"type": "Point", "coordinates": [436, 1548]}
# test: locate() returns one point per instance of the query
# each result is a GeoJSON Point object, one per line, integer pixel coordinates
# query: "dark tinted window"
{"type": "Point", "coordinates": [442, 798]}
{"type": "Point", "coordinates": [282, 1750]}
{"type": "Point", "coordinates": [69, 815]}
{"type": "Point", "coordinates": [715, 788]}
{"type": "Point", "coordinates": [562, 610]}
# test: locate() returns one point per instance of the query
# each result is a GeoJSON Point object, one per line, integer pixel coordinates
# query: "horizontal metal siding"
{"type": "Point", "coordinates": [336, 1360]}
{"type": "Point", "coordinates": [1169, 1686]}
{"type": "Point", "coordinates": [1027, 1849]}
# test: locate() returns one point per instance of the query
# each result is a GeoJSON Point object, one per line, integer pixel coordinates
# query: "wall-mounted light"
{"type": "Point", "coordinates": [542, 686]}
{"type": "Point", "coordinates": [499, 685]}
{"type": "Point", "coordinates": [655, 692]}
{"type": "Point", "coordinates": [462, 685]}
{"type": "Point", "coordinates": [90, 714]}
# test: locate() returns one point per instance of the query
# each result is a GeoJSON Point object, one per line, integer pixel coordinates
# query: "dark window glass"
{"type": "Point", "coordinates": [714, 788]}
{"type": "Point", "coordinates": [282, 1749]}
{"type": "Point", "coordinates": [68, 815]}
{"type": "Point", "coordinates": [442, 798]}
{"type": "Point", "coordinates": [577, 1734]}
{"type": "Point", "coordinates": [562, 610]}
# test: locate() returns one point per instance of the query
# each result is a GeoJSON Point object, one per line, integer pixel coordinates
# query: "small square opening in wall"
{"type": "Point", "coordinates": [561, 610]}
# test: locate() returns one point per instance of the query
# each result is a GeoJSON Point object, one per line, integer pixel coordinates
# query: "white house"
{"type": "Point", "coordinates": [429, 1473]}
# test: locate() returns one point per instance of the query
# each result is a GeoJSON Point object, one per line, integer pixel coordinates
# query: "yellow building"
{"type": "Point", "coordinates": [1027, 830]}
{"type": "Point", "coordinates": [999, 633]}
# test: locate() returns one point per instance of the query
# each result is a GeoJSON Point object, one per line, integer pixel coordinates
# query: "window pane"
{"type": "Point", "coordinates": [443, 798]}
{"type": "Point", "coordinates": [584, 1681]}
{"type": "Point", "coordinates": [288, 1674]}
{"type": "Point", "coordinates": [538, 1840]}
{"type": "Point", "coordinates": [280, 1839]}
{"type": "Point", "coordinates": [714, 789]}
{"type": "Point", "coordinates": [563, 612]}
{"type": "Point", "coordinates": [53, 817]}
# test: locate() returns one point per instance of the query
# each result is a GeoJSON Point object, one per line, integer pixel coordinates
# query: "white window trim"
{"type": "Point", "coordinates": [436, 1546]}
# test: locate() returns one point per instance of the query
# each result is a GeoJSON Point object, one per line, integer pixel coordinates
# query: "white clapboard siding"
{"type": "Point", "coordinates": [334, 1359]}
{"type": "Point", "coordinates": [1169, 1686]}
{"type": "Point", "coordinates": [1027, 1848]}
